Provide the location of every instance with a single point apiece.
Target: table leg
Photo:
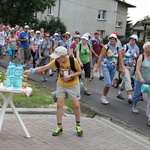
(19, 119)
(3, 109)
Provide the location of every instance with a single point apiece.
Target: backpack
(72, 64)
(80, 46)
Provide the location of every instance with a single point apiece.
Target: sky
(142, 9)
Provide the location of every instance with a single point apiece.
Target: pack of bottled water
(14, 76)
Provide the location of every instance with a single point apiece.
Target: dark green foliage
(22, 11)
(51, 25)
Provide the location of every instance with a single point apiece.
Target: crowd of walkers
(71, 54)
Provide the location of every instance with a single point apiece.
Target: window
(102, 15)
(138, 33)
(119, 24)
(102, 33)
(49, 11)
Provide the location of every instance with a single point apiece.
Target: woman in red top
(73, 46)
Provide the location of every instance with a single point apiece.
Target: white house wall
(82, 15)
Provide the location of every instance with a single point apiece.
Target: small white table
(9, 100)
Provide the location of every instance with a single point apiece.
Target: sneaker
(79, 130)
(42, 79)
(87, 92)
(58, 131)
(4, 54)
(135, 110)
(120, 96)
(45, 79)
(148, 123)
(141, 98)
(101, 77)
(130, 101)
(24, 65)
(51, 74)
(104, 100)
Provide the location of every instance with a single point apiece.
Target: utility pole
(59, 4)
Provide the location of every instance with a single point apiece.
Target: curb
(96, 112)
(51, 111)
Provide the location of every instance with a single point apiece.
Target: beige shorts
(72, 92)
(24, 53)
(126, 82)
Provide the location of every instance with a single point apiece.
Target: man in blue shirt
(24, 51)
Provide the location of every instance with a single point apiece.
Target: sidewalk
(99, 134)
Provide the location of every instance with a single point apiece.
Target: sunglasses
(47, 36)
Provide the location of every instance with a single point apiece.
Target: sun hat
(26, 27)
(77, 36)
(59, 51)
(88, 34)
(85, 36)
(31, 30)
(113, 36)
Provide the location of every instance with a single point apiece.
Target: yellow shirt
(65, 70)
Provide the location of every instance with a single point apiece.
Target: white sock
(119, 92)
(129, 96)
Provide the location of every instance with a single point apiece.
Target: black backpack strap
(126, 48)
(89, 46)
(72, 64)
(57, 65)
(143, 56)
(79, 47)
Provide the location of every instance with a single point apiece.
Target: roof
(125, 3)
(138, 28)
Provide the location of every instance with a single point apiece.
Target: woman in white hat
(108, 61)
(84, 56)
(127, 61)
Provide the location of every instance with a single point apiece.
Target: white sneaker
(135, 110)
(104, 100)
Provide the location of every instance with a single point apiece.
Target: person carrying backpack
(108, 61)
(142, 76)
(84, 56)
(67, 84)
(127, 62)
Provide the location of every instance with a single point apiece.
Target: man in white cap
(67, 84)
(24, 52)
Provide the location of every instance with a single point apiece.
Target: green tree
(51, 25)
(22, 11)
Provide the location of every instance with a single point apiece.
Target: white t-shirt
(2, 38)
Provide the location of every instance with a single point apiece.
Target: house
(90, 15)
(142, 30)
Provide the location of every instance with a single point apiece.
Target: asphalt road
(118, 110)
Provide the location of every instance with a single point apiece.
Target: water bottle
(19, 70)
(11, 69)
(18, 76)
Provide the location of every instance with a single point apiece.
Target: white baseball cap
(38, 32)
(59, 51)
(26, 27)
(56, 34)
(85, 36)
